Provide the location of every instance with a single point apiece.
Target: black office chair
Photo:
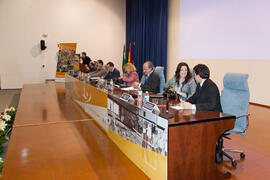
(235, 101)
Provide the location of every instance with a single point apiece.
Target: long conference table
(74, 130)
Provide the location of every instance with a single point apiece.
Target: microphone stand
(167, 115)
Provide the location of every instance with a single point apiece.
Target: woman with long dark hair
(182, 82)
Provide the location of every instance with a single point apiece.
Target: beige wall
(257, 69)
(97, 26)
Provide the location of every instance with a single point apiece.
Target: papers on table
(177, 107)
(94, 78)
(128, 89)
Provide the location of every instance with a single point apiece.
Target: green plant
(6, 121)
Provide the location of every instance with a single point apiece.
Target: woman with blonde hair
(131, 75)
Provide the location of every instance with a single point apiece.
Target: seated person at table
(207, 95)
(182, 83)
(92, 66)
(85, 59)
(152, 81)
(113, 73)
(131, 75)
(101, 71)
(87, 69)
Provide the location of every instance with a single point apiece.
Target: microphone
(167, 115)
(167, 90)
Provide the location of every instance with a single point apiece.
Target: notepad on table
(177, 107)
(127, 89)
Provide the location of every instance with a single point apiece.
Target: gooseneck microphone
(167, 115)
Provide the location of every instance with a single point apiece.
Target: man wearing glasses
(152, 81)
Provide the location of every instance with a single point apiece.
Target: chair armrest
(242, 115)
(247, 120)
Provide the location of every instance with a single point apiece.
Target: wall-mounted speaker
(42, 45)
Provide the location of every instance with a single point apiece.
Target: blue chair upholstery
(234, 100)
(160, 71)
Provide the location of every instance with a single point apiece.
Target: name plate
(127, 97)
(152, 107)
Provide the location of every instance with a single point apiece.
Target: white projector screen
(224, 29)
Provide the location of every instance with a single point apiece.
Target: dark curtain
(146, 30)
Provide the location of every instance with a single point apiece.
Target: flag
(133, 45)
(129, 54)
(124, 58)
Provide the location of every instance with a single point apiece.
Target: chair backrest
(235, 100)
(160, 71)
(191, 71)
(143, 79)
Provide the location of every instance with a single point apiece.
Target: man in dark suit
(207, 95)
(101, 70)
(113, 73)
(85, 59)
(152, 81)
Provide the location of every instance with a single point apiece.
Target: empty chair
(235, 101)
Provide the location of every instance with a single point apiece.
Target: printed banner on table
(141, 135)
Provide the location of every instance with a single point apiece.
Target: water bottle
(111, 84)
(140, 96)
(110, 89)
(79, 75)
(85, 79)
(146, 96)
